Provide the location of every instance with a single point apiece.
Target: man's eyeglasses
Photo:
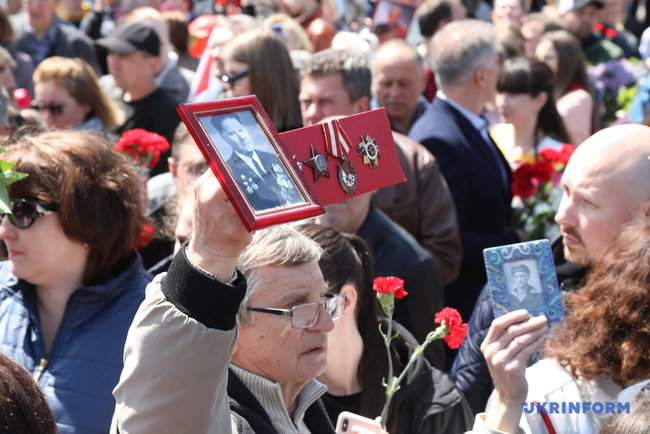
(306, 315)
(24, 212)
(54, 109)
(231, 79)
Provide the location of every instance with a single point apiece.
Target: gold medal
(368, 149)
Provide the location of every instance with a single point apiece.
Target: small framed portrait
(392, 18)
(522, 276)
(242, 148)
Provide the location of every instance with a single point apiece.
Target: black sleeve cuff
(202, 297)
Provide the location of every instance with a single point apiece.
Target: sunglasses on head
(54, 109)
(231, 79)
(24, 212)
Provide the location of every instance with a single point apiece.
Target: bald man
(398, 81)
(606, 184)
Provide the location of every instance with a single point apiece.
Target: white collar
(477, 121)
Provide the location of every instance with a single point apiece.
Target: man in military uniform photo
(259, 173)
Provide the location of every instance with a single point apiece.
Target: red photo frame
(242, 147)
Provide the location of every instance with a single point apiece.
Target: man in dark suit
(261, 175)
(466, 65)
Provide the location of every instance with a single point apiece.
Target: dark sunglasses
(54, 109)
(231, 79)
(24, 212)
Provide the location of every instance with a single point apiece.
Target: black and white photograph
(523, 284)
(522, 276)
(252, 160)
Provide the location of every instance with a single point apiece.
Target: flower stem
(392, 385)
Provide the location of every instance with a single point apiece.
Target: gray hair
(279, 245)
(459, 48)
(352, 66)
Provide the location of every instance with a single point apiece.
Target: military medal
(317, 163)
(337, 144)
(347, 177)
(369, 151)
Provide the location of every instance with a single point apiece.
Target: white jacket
(549, 382)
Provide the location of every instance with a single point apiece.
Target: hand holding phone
(350, 423)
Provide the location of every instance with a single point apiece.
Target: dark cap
(131, 37)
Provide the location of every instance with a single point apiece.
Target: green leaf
(5, 203)
(6, 165)
(9, 177)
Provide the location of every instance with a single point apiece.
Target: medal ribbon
(336, 141)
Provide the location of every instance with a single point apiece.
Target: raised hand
(511, 340)
(218, 235)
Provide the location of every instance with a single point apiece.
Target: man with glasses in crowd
(231, 338)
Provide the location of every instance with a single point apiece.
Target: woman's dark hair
(606, 329)
(272, 76)
(346, 259)
(571, 61)
(96, 189)
(179, 34)
(6, 31)
(23, 408)
(523, 75)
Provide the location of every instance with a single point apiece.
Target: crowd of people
(134, 300)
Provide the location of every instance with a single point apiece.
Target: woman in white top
(526, 105)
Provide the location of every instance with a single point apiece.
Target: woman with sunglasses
(78, 282)
(68, 95)
(428, 401)
(257, 62)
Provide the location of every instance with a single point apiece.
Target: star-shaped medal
(317, 163)
(369, 150)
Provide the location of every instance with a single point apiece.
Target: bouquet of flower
(534, 189)
(142, 146)
(451, 329)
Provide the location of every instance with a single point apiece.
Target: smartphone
(354, 424)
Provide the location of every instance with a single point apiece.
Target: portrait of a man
(259, 173)
(523, 295)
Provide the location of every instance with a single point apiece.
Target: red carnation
(543, 172)
(456, 329)
(147, 232)
(523, 184)
(560, 156)
(144, 147)
(566, 152)
(390, 285)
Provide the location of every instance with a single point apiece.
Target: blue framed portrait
(522, 276)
